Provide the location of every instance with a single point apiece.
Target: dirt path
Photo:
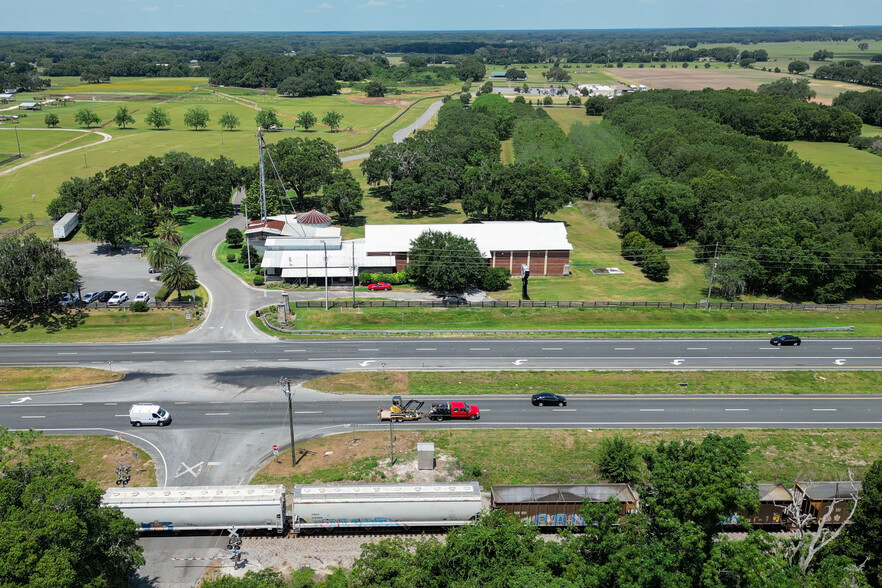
(105, 137)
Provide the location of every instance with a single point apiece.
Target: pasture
(846, 165)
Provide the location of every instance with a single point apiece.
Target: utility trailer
(65, 226)
(401, 411)
(202, 508)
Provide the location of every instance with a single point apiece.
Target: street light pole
(286, 390)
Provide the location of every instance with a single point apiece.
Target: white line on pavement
(696, 349)
(217, 414)
(563, 410)
(26, 416)
(824, 410)
(552, 349)
(220, 351)
(143, 352)
(307, 412)
(623, 348)
(479, 349)
(652, 410)
(737, 409)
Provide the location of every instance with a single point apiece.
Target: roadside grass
(240, 270)
(191, 224)
(569, 456)
(97, 458)
(846, 165)
(14, 379)
(601, 382)
(866, 323)
(107, 326)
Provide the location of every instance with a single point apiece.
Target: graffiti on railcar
(556, 520)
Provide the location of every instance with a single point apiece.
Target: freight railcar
(316, 506)
(558, 505)
(202, 508)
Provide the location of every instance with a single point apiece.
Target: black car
(454, 300)
(785, 340)
(544, 398)
(103, 296)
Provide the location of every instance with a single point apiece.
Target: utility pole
(286, 390)
(713, 271)
(247, 244)
(354, 274)
(325, 247)
(19, 144)
(391, 444)
(262, 176)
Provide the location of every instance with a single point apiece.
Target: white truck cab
(148, 414)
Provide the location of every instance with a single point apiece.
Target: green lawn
(34, 142)
(601, 382)
(16, 379)
(106, 325)
(845, 164)
(866, 323)
(127, 85)
(237, 268)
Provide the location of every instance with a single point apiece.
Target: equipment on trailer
(400, 411)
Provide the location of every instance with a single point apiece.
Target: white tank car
(201, 508)
(385, 505)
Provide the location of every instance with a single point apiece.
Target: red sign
(275, 447)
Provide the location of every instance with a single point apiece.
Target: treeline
(22, 77)
(867, 105)
(769, 117)
(851, 71)
(295, 72)
(785, 229)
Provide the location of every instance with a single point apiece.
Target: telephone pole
(325, 247)
(286, 390)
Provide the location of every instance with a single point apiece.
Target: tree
(332, 119)
(500, 110)
(556, 74)
(596, 105)
(158, 118)
(863, 537)
(234, 238)
(822, 55)
(375, 90)
(267, 119)
(663, 210)
(305, 164)
(547, 100)
(86, 117)
(798, 89)
(471, 69)
(54, 530)
(863, 46)
(160, 254)
(168, 230)
(228, 121)
(51, 120)
(196, 117)
(111, 220)
(797, 67)
(178, 275)
(343, 196)
(249, 253)
(310, 83)
(515, 74)
(306, 120)
(444, 262)
(619, 460)
(33, 272)
(495, 279)
(123, 117)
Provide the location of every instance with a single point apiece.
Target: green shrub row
(396, 279)
(648, 256)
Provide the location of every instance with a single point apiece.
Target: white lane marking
(365, 363)
(737, 409)
(143, 352)
(623, 348)
(220, 351)
(48, 404)
(213, 463)
(652, 410)
(563, 410)
(307, 412)
(519, 361)
(185, 469)
(678, 362)
(839, 361)
(848, 348)
(249, 401)
(20, 400)
(120, 415)
(552, 349)
(479, 349)
(28, 416)
(824, 410)
(696, 349)
(217, 414)
(368, 349)
(66, 353)
(426, 349)
(768, 348)
(294, 350)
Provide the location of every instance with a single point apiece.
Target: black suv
(785, 340)
(454, 300)
(544, 398)
(103, 296)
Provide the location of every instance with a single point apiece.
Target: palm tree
(169, 231)
(160, 254)
(179, 275)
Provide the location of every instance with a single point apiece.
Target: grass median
(102, 325)
(97, 458)
(567, 456)
(15, 379)
(601, 382)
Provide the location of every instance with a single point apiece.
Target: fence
(7, 157)
(585, 304)
(17, 231)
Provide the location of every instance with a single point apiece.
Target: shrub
(547, 100)
(163, 293)
(656, 266)
(496, 278)
(231, 257)
(249, 251)
(139, 306)
(619, 460)
(258, 280)
(234, 238)
(633, 246)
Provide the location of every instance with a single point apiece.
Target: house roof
(314, 217)
(489, 236)
(300, 263)
(287, 225)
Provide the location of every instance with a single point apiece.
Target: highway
(449, 353)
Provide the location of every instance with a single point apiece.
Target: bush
(633, 246)
(619, 460)
(234, 238)
(258, 280)
(231, 257)
(163, 293)
(396, 279)
(656, 266)
(547, 100)
(249, 251)
(139, 306)
(495, 279)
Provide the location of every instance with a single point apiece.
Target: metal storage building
(558, 505)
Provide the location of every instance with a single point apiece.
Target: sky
(426, 15)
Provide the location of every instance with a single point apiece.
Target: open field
(580, 73)
(34, 142)
(600, 382)
(107, 326)
(97, 458)
(866, 323)
(780, 54)
(15, 379)
(569, 456)
(846, 165)
(123, 85)
(565, 117)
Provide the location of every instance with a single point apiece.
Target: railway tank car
(316, 506)
(202, 508)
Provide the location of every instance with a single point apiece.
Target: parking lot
(102, 268)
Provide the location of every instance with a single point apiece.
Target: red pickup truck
(454, 410)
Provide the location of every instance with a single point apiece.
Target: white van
(148, 414)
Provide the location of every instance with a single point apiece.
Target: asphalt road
(408, 354)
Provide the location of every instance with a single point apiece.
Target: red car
(380, 286)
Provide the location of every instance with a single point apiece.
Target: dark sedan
(546, 398)
(785, 340)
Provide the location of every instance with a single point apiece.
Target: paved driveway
(103, 268)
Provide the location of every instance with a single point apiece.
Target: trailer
(401, 411)
(202, 508)
(385, 505)
(65, 226)
(558, 505)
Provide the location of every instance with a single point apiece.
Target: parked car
(380, 286)
(88, 296)
(546, 398)
(785, 340)
(142, 297)
(454, 300)
(103, 296)
(68, 299)
(117, 299)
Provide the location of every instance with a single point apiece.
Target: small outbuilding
(30, 106)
